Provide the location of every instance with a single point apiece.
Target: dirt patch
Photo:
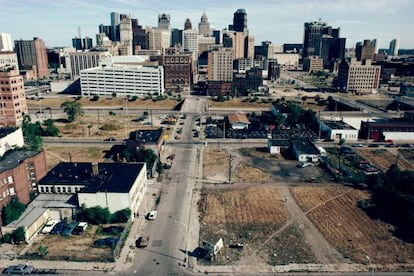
(54, 155)
(74, 248)
(244, 172)
(333, 210)
(215, 164)
(262, 153)
(249, 216)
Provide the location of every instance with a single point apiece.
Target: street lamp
(370, 264)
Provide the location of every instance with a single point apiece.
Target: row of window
(10, 191)
(59, 189)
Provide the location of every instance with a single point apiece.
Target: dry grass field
(244, 172)
(334, 212)
(54, 155)
(249, 215)
(215, 164)
(384, 158)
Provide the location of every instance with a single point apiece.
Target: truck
(142, 241)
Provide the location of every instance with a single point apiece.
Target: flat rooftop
(100, 177)
(305, 146)
(12, 159)
(4, 131)
(338, 125)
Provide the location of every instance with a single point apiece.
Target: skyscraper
(125, 35)
(376, 43)
(32, 55)
(394, 47)
(164, 21)
(365, 51)
(5, 42)
(115, 26)
(77, 43)
(138, 36)
(204, 26)
(239, 21)
(187, 24)
(190, 42)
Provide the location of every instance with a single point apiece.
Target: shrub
(109, 127)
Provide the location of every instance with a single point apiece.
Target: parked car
(113, 230)
(80, 228)
(152, 215)
(67, 231)
(19, 269)
(58, 228)
(106, 242)
(110, 139)
(142, 241)
(49, 226)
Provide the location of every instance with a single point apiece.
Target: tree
(121, 216)
(50, 128)
(19, 235)
(42, 250)
(72, 109)
(95, 215)
(12, 211)
(113, 94)
(32, 133)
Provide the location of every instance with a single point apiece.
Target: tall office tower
(190, 42)
(312, 41)
(176, 37)
(164, 21)
(158, 39)
(220, 64)
(365, 51)
(87, 43)
(77, 43)
(5, 42)
(125, 35)
(249, 46)
(332, 51)
(376, 43)
(32, 55)
(394, 47)
(204, 26)
(139, 36)
(218, 36)
(13, 105)
(187, 24)
(115, 26)
(239, 21)
(106, 29)
(9, 59)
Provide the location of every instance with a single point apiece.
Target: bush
(109, 127)
(121, 216)
(12, 211)
(95, 215)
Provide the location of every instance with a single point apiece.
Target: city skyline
(279, 21)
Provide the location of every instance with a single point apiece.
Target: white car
(152, 215)
(306, 164)
(49, 226)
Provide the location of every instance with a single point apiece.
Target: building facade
(312, 64)
(354, 77)
(32, 55)
(124, 79)
(204, 26)
(177, 69)
(5, 43)
(394, 47)
(220, 65)
(12, 97)
(125, 36)
(78, 61)
(365, 51)
(9, 59)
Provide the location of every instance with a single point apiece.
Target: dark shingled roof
(111, 177)
(12, 159)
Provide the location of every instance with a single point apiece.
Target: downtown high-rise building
(114, 26)
(204, 26)
(5, 42)
(394, 47)
(364, 51)
(32, 56)
(164, 22)
(190, 42)
(125, 36)
(187, 24)
(239, 21)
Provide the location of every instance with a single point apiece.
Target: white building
(9, 59)
(158, 39)
(125, 76)
(190, 42)
(288, 61)
(115, 186)
(5, 42)
(337, 130)
(78, 61)
(305, 150)
(125, 34)
(238, 120)
(9, 139)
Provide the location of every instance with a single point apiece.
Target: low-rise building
(277, 146)
(402, 130)
(337, 130)
(238, 120)
(305, 150)
(115, 186)
(312, 64)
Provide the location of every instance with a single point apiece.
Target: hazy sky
(280, 21)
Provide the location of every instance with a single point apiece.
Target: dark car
(69, 228)
(59, 227)
(106, 242)
(142, 241)
(113, 230)
(110, 139)
(19, 269)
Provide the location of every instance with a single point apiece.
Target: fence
(117, 249)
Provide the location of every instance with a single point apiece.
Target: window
(12, 191)
(10, 179)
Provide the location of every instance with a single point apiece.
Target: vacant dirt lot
(255, 217)
(334, 211)
(75, 248)
(54, 155)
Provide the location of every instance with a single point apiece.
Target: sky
(279, 21)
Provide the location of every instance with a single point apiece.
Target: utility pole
(230, 168)
(319, 124)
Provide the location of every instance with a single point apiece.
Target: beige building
(312, 64)
(78, 61)
(158, 39)
(220, 64)
(285, 60)
(8, 58)
(358, 78)
(12, 97)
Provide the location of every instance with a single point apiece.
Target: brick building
(20, 172)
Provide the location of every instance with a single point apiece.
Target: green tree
(43, 250)
(121, 216)
(50, 128)
(72, 109)
(12, 211)
(32, 133)
(95, 215)
(19, 235)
